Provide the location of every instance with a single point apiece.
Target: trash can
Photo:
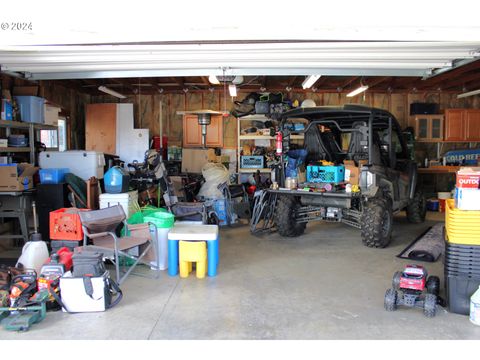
(162, 223)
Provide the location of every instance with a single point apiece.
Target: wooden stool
(190, 252)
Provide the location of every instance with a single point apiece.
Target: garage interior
(142, 104)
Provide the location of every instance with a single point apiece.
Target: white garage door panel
(327, 58)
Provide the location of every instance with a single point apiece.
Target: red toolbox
(65, 224)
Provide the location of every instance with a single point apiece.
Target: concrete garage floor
(323, 285)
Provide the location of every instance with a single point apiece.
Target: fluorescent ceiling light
(310, 80)
(111, 92)
(470, 93)
(358, 91)
(232, 89)
(213, 80)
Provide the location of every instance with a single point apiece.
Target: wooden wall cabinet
(462, 125)
(100, 128)
(192, 132)
(109, 128)
(472, 125)
(429, 127)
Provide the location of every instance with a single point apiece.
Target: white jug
(34, 255)
(35, 251)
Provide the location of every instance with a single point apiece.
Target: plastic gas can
(116, 180)
(475, 307)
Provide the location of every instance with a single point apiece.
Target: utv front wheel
(417, 208)
(285, 214)
(377, 223)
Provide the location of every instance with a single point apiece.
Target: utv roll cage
(345, 117)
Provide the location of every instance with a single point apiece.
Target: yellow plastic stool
(193, 251)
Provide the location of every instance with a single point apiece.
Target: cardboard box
(51, 115)
(467, 199)
(468, 178)
(352, 172)
(211, 157)
(16, 177)
(223, 159)
(25, 90)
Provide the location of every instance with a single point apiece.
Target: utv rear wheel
(430, 305)
(377, 223)
(433, 285)
(417, 208)
(285, 214)
(390, 301)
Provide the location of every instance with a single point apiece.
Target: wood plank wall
(147, 107)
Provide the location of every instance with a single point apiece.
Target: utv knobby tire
(377, 223)
(417, 208)
(430, 305)
(285, 217)
(390, 301)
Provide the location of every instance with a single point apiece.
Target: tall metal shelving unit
(33, 133)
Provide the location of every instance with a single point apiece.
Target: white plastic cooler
(128, 200)
(84, 164)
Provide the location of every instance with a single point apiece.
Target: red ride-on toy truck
(408, 287)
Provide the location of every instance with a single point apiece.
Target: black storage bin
(49, 197)
(70, 244)
(459, 289)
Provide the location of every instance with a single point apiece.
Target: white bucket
(475, 307)
(162, 247)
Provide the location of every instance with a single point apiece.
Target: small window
(54, 139)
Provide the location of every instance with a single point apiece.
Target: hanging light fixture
(357, 91)
(111, 92)
(469, 93)
(310, 80)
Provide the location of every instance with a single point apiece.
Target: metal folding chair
(101, 225)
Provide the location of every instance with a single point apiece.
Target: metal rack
(33, 133)
(241, 138)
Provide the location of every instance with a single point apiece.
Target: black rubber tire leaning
(390, 301)
(396, 280)
(430, 305)
(285, 217)
(433, 285)
(417, 208)
(377, 223)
